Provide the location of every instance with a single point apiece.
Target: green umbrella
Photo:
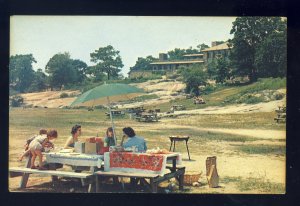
(106, 93)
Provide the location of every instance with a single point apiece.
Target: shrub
(64, 95)
(16, 101)
(279, 96)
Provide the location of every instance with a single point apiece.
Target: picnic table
(147, 117)
(135, 110)
(155, 167)
(141, 166)
(115, 113)
(177, 107)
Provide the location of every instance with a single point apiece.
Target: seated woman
(76, 132)
(133, 140)
(109, 139)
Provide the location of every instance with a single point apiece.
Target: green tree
(271, 56)
(222, 70)
(194, 76)
(40, 81)
(202, 46)
(63, 70)
(176, 54)
(107, 60)
(80, 70)
(143, 63)
(249, 33)
(21, 72)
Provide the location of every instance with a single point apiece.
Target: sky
(133, 36)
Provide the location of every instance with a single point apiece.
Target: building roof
(192, 55)
(218, 47)
(177, 62)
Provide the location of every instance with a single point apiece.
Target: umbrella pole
(112, 122)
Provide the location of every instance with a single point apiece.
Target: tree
(21, 72)
(271, 56)
(107, 60)
(202, 46)
(39, 82)
(177, 54)
(80, 70)
(63, 70)
(222, 70)
(143, 63)
(194, 76)
(249, 34)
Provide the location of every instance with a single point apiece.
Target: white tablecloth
(74, 159)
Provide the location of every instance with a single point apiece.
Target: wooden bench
(86, 178)
(155, 179)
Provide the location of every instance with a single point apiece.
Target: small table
(179, 139)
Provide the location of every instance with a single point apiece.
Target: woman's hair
(75, 128)
(43, 131)
(129, 131)
(110, 129)
(52, 133)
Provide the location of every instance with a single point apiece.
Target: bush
(16, 101)
(279, 96)
(64, 95)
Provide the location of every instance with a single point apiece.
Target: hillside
(165, 93)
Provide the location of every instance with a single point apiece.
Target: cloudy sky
(133, 36)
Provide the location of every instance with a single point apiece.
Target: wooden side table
(179, 139)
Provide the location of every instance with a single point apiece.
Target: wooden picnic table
(178, 107)
(147, 117)
(139, 173)
(115, 113)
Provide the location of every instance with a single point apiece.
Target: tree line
(61, 70)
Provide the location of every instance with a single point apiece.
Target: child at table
(38, 144)
(27, 150)
(109, 139)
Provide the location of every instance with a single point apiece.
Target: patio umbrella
(105, 94)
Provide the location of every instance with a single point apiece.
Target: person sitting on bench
(133, 141)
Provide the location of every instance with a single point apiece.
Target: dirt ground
(230, 163)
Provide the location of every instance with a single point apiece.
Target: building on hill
(216, 51)
(166, 66)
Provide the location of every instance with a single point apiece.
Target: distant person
(75, 133)
(109, 140)
(38, 144)
(133, 140)
(27, 150)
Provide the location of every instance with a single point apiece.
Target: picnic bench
(147, 117)
(24, 172)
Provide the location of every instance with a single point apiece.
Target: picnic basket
(191, 176)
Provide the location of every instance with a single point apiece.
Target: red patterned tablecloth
(137, 162)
